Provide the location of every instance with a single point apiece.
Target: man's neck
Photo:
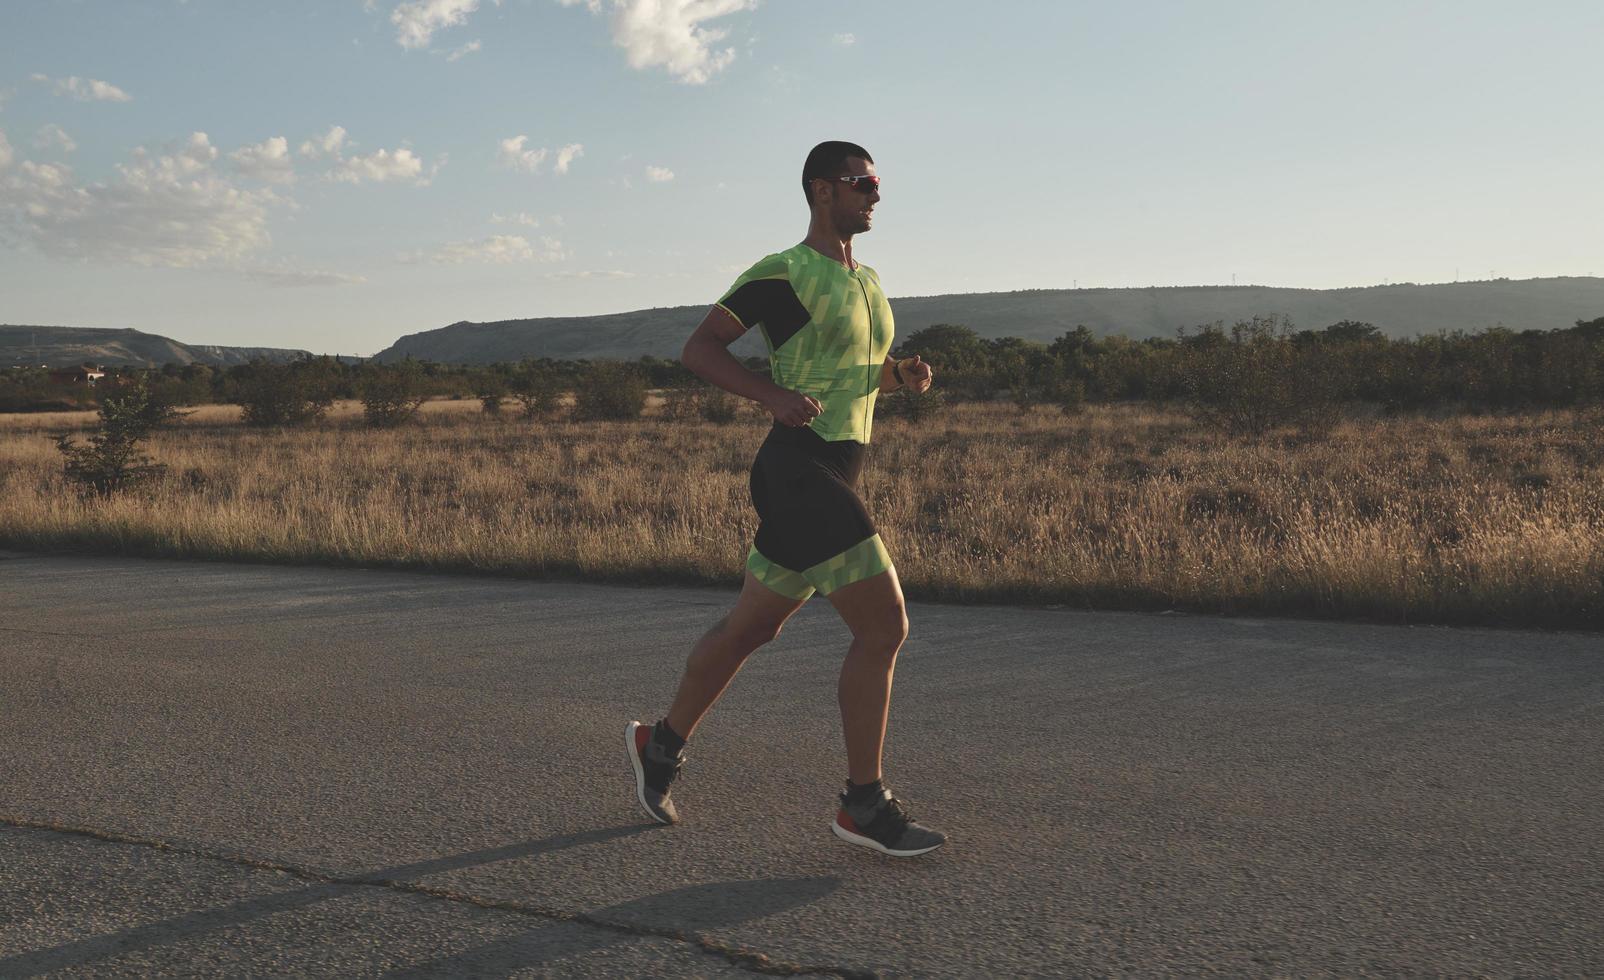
(824, 239)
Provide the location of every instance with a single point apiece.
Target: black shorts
(814, 532)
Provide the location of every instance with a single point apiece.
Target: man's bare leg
(870, 815)
(717, 657)
(873, 610)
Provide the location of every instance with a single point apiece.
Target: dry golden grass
(1492, 520)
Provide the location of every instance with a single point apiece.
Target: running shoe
(883, 824)
(654, 769)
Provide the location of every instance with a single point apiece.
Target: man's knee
(753, 633)
(884, 629)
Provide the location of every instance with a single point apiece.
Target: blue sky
(332, 174)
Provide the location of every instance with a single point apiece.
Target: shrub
(719, 406)
(1255, 379)
(914, 406)
(610, 391)
(489, 390)
(296, 393)
(680, 404)
(391, 394)
(1025, 396)
(1069, 394)
(112, 461)
(535, 388)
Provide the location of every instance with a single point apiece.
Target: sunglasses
(862, 183)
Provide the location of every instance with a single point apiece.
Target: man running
(828, 330)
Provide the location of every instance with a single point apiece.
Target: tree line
(1247, 377)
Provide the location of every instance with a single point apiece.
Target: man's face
(852, 211)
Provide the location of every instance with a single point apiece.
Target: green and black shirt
(828, 330)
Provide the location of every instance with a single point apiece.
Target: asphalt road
(225, 769)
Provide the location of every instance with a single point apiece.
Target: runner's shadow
(191, 924)
(681, 914)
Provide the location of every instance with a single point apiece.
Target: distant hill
(1402, 310)
(67, 346)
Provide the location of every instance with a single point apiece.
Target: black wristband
(896, 372)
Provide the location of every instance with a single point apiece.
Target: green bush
(536, 388)
(1255, 379)
(718, 406)
(112, 460)
(905, 403)
(680, 404)
(490, 389)
(296, 393)
(610, 391)
(1069, 394)
(391, 394)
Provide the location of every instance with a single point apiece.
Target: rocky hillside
(66, 346)
(1402, 310)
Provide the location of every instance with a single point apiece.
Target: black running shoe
(655, 769)
(884, 825)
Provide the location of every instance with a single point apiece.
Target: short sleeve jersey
(828, 330)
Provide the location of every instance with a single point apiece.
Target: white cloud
(5, 151)
(379, 166)
(566, 156)
(169, 209)
(193, 156)
(668, 34)
(417, 20)
(513, 154)
(468, 48)
(268, 160)
(590, 274)
(845, 40)
(291, 278)
(84, 89)
(665, 33)
(328, 144)
(52, 135)
(659, 175)
(497, 249)
(519, 218)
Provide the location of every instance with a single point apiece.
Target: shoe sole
(640, 773)
(875, 845)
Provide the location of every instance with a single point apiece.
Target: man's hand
(792, 407)
(915, 373)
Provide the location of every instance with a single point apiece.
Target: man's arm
(888, 376)
(910, 373)
(707, 356)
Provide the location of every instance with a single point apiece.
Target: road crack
(739, 956)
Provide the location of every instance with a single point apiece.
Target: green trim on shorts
(864, 559)
(778, 577)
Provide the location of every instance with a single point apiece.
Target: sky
(330, 175)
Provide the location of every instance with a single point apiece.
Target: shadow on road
(678, 914)
(672, 914)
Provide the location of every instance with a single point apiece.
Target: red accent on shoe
(643, 734)
(846, 823)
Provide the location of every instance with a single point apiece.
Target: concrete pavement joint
(16, 629)
(739, 956)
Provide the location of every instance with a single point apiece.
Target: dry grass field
(1467, 520)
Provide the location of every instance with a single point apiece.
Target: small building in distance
(83, 374)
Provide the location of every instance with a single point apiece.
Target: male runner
(828, 329)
